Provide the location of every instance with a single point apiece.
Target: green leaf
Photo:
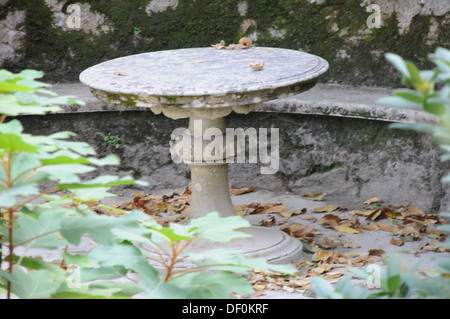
(13, 143)
(414, 72)
(92, 194)
(232, 260)
(98, 227)
(102, 181)
(125, 255)
(124, 289)
(221, 229)
(114, 272)
(38, 264)
(393, 283)
(40, 232)
(398, 62)
(8, 196)
(212, 286)
(323, 288)
(413, 96)
(34, 284)
(81, 261)
(399, 102)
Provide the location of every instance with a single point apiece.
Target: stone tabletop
(203, 77)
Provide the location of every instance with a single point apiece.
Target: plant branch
(37, 237)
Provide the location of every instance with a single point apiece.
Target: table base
(273, 245)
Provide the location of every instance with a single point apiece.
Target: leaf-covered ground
(334, 237)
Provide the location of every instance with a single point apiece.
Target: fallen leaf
(386, 227)
(326, 209)
(376, 252)
(396, 241)
(314, 196)
(278, 208)
(411, 211)
(381, 226)
(330, 220)
(234, 191)
(326, 243)
(268, 222)
(322, 255)
(289, 213)
(346, 228)
(220, 45)
(373, 200)
(302, 232)
(257, 66)
(349, 244)
(308, 217)
(333, 275)
(363, 213)
(408, 231)
(120, 73)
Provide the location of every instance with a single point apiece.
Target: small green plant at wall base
(113, 140)
(137, 30)
(429, 90)
(46, 203)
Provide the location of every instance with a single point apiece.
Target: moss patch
(335, 30)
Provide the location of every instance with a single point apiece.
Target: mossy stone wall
(334, 29)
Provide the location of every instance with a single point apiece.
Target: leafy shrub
(46, 203)
(430, 91)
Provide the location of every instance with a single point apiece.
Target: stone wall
(351, 160)
(64, 37)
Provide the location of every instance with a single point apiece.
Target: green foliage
(46, 202)
(113, 140)
(431, 92)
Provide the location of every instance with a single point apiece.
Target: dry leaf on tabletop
(396, 241)
(314, 196)
(220, 45)
(120, 73)
(326, 209)
(247, 42)
(257, 66)
(349, 244)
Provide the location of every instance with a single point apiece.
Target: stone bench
(333, 138)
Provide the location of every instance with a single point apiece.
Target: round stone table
(205, 85)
